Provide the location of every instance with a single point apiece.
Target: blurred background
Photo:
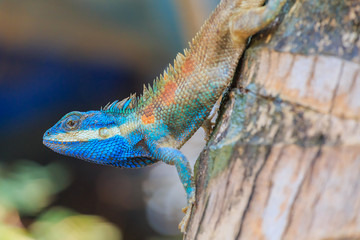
(58, 56)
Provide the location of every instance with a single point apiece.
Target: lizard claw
(187, 210)
(184, 209)
(208, 126)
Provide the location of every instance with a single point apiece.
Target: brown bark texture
(283, 161)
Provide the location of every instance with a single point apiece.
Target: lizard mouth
(71, 149)
(57, 146)
(48, 142)
(51, 143)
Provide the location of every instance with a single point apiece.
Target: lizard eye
(71, 123)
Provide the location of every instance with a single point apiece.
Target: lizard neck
(183, 96)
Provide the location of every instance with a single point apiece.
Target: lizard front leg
(173, 156)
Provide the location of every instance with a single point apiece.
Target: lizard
(142, 130)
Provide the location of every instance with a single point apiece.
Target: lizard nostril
(47, 134)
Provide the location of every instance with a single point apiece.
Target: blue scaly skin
(139, 131)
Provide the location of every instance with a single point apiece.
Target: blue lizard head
(100, 137)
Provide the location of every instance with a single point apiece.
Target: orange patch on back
(188, 66)
(147, 120)
(148, 115)
(168, 94)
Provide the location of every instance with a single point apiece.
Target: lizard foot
(208, 127)
(187, 210)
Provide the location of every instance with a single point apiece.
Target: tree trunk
(284, 158)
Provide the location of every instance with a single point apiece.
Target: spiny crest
(168, 75)
(129, 104)
(125, 106)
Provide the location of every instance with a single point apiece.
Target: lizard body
(139, 131)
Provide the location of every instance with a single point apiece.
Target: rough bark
(284, 159)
